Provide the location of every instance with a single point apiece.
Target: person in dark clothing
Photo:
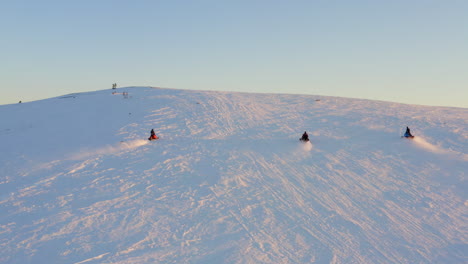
(408, 133)
(305, 137)
(153, 135)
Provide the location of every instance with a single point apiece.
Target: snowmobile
(305, 137)
(153, 135)
(407, 133)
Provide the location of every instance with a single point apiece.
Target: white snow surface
(229, 182)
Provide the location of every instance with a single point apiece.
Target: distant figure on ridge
(153, 135)
(304, 137)
(408, 133)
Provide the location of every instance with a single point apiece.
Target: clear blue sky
(404, 51)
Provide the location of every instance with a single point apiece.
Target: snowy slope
(229, 182)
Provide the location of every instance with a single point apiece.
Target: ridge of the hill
(228, 181)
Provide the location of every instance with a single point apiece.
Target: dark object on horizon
(114, 86)
(19, 102)
(304, 137)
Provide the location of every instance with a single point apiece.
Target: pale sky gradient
(409, 51)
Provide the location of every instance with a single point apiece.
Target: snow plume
(123, 145)
(422, 143)
(307, 146)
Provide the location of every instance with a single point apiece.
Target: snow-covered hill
(229, 182)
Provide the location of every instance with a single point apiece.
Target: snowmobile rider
(153, 135)
(408, 133)
(305, 137)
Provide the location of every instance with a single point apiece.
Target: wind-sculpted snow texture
(229, 181)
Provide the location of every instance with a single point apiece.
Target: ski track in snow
(229, 182)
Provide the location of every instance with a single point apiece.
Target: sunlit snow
(229, 182)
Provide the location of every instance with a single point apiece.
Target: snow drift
(229, 182)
